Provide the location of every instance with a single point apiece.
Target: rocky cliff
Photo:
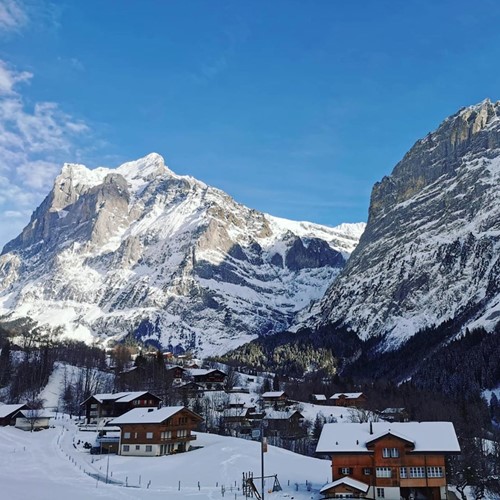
(431, 248)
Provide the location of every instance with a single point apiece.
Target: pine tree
(5, 365)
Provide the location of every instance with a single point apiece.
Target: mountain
(140, 251)
(430, 251)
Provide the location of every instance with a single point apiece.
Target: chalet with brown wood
(151, 432)
(389, 460)
(274, 399)
(101, 407)
(210, 380)
(352, 399)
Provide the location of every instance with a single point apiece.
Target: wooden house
(284, 423)
(395, 415)
(390, 460)
(274, 399)
(101, 407)
(153, 432)
(353, 399)
(319, 399)
(210, 380)
(8, 413)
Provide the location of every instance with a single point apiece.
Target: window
(126, 447)
(149, 435)
(403, 473)
(390, 452)
(434, 472)
(181, 433)
(380, 493)
(345, 470)
(166, 435)
(417, 471)
(137, 446)
(126, 435)
(149, 448)
(367, 471)
(384, 472)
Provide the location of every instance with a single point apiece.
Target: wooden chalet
(210, 380)
(153, 432)
(319, 399)
(395, 415)
(355, 399)
(390, 460)
(8, 413)
(274, 399)
(284, 423)
(101, 407)
(175, 372)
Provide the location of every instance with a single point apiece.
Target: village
(358, 453)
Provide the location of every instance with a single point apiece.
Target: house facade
(389, 460)
(102, 407)
(274, 399)
(210, 380)
(150, 432)
(353, 399)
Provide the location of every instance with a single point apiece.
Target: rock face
(141, 251)
(431, 248)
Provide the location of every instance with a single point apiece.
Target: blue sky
(295, 108)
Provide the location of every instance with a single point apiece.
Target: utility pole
(263, 449)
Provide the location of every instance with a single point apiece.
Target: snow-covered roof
(273, 394)
(119, 397)
(319, 397)
(6, 410)
(280, 415)
(391, 411)
(196, 372)
(146, 415)
(348, 481)
(353, 438)
(347, 395)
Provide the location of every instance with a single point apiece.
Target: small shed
(32, 420)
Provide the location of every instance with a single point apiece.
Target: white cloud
(34, 142)
(9, 78)
(12, 15)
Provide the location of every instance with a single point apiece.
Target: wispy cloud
(12, 15)
(34, 142)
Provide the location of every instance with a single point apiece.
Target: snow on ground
(52, 465)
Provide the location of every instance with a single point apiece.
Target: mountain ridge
(430, 250)
(141, 251)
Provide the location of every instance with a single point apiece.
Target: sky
(294, 108)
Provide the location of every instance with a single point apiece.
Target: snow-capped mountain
(141, 251)
(431, 248)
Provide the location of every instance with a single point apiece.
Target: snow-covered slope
(140, 250)
(431, 249)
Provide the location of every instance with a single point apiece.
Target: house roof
(319, 397)
(391, 411)
(353, 438)
(199, 372)
(119, 397)
(348, 481)
(281, 415)
(149, 415)
(7, 410)
(347, 395)
(273, 394)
